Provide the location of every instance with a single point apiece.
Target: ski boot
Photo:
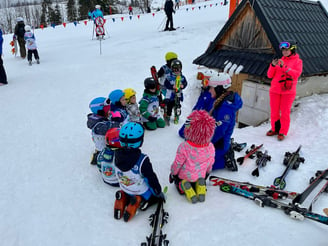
(189, 191)
(201, 189)
(37, 61)
(167, 119)
(120, 204)
(176, 119)
(94, 157)
(30, 63)
(132, 208)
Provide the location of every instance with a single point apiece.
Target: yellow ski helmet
(129, 92)
(170, 55)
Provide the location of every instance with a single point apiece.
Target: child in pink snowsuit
(284, 73)
(195, 157)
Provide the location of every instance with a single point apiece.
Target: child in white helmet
(31, 45)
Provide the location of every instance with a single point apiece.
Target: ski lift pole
(100, 45)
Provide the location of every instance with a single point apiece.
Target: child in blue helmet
(118, 113)
(99, 125)
(139, 184)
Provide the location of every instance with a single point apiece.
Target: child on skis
(149, 106)
(174, 83)
(118, 114)
(31, 45)
(99, 125)
(162, 74)
(132, 106)
(139, 184)
(195, 157)
(105, 160)
(205, 101)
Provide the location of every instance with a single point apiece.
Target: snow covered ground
(51, 195)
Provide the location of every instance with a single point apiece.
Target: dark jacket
(225, 117)
(168, 7)
(126, 158)
(19, 29)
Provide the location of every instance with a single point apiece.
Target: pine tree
(71, 10)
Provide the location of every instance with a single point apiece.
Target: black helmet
(150, 83)
(176, 66)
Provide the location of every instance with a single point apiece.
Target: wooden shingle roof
(303, 21)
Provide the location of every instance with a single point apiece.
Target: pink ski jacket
(284, 79)
(193, 161)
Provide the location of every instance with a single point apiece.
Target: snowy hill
(51, 195)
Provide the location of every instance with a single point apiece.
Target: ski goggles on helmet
(284, 45)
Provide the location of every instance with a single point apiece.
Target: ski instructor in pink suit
(284, 73)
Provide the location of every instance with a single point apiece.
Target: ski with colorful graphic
(258, 189)
(177, 96)
(293, 210)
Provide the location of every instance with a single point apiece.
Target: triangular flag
(138, 16)
(113, 19)
(75, 23)
(153, 14)
(122, 18)
(42, 26)
(130, 17)
(85, 22)
(64, 24)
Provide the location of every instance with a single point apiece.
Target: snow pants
(280, 105)
(34, 52)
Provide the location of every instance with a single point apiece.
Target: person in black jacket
(169, 10)
(19, 36)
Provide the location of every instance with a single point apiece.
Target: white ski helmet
(19, 19)
(220, 79)
(27, 28)
(97, 6)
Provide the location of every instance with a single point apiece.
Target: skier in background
(96, 13)
(169, 10)
(31, 45)
(130, 10)
(3, 76)
(19, 36)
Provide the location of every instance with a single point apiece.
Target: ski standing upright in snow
(291, 161)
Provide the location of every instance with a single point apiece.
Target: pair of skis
(291, 209)
(259, 189)
(157, 221)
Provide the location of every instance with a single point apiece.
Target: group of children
(118, 123)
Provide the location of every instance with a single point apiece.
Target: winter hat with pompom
(199, 127)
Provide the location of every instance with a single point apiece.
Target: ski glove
(152, 119)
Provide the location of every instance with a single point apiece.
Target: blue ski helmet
(131, 135)
(115, 96)
(97, 104)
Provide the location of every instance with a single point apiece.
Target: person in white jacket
(31, 45)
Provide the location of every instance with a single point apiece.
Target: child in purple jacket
(195, 157)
